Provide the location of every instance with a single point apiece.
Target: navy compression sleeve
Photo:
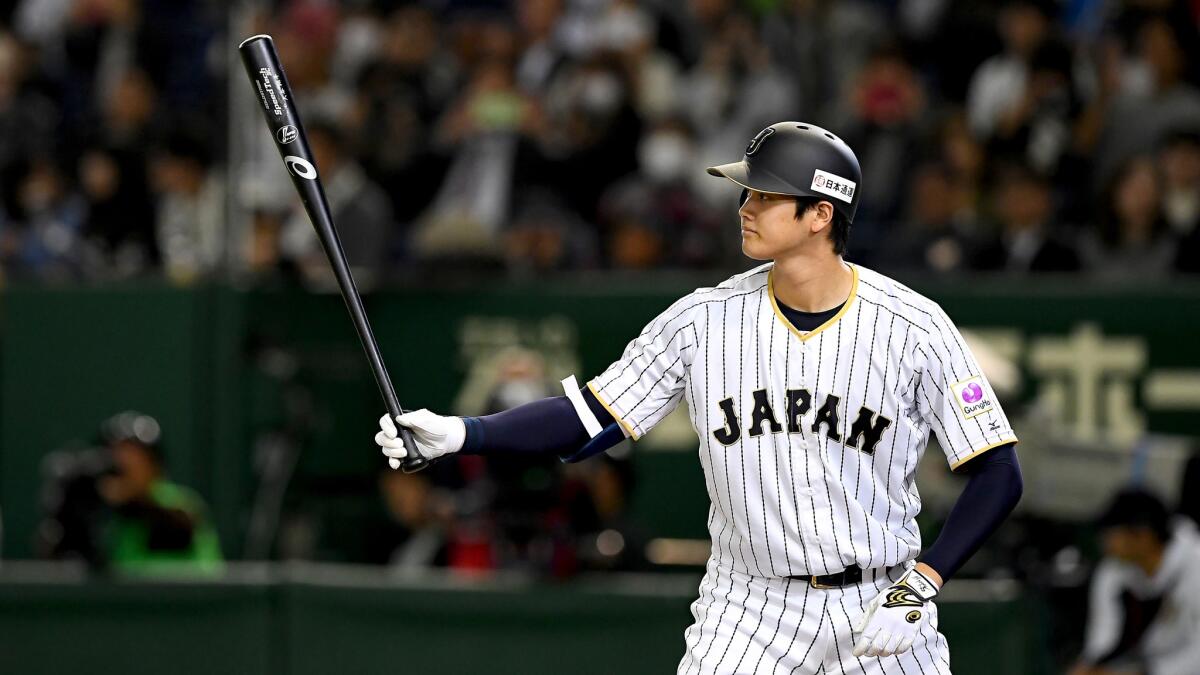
(994, 489)
(550, 425)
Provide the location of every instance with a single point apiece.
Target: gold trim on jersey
(628, 430)
(832, 320)
(993, 446)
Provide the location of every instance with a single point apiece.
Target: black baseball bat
(275, 95)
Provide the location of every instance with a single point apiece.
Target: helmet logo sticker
(757, 141)
(835, 186)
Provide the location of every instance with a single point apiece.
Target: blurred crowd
(1018, 137)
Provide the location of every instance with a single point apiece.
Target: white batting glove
(435, 435)
(896, 616)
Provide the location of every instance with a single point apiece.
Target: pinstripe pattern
(797, 630)
(866, 390)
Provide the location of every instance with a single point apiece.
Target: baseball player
(1144, 609)
(812, 385)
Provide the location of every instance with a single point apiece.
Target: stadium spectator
(938, 225)
(998, 96)
(547, 235)
(542, 50)
(27, 114)
(1141, 116)
(41, 238)
(119, 221)
(653, 216)
(190, 220)
(1179, 161)
(1132, 241)
(470, 121)
(1028, 239)
(888, 103)
(399, 94)
(360, 208)
(485, 129)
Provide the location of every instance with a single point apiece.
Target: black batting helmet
(802, 160)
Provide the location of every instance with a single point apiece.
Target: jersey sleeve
(647, 382)
(954, 396)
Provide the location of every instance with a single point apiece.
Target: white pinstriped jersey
(809, 441)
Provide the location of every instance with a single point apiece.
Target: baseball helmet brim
(751, 179)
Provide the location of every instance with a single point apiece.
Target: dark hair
(1137, 508)
(839, 230)
(1109, 220)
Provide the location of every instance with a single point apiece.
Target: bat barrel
(275, 95)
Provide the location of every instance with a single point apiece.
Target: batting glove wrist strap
(921, 585)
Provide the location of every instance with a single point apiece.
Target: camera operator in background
(115, 508)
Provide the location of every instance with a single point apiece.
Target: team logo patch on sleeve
(972, 397)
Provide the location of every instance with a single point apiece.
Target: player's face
(770, 228)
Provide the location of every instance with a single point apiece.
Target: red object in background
(471, 553)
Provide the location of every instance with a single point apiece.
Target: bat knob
(414, 464)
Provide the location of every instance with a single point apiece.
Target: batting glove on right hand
(895, 617)
(435, 435)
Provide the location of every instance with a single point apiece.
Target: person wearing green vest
(158, 527)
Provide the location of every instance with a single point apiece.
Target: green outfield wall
(310, 626)
(220, 366)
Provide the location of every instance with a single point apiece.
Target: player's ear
(823, 217)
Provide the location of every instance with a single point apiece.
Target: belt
(850, 575)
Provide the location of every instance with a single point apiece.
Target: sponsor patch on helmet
(834, 186)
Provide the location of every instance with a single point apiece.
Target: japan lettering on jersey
(809, 441)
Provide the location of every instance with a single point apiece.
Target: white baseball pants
(747, 624)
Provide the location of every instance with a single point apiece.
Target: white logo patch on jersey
(834, 186)
(972, 397)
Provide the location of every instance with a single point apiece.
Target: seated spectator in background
(1145, 595)
(119, 220)
(361, 210)
(1179, 161)
(158, 526)
(1139, 118)
(998, 88)
(1039, 128)
(399, 94)
(654, 216)
(1132, 241)
(999, 84)
(112, 174)
(965, 160)
(546, 235)
(28, 115)
(40, 239)
(1029, 238)
(888, 106)
(937, 229)
(484, 130)
(190, 227)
